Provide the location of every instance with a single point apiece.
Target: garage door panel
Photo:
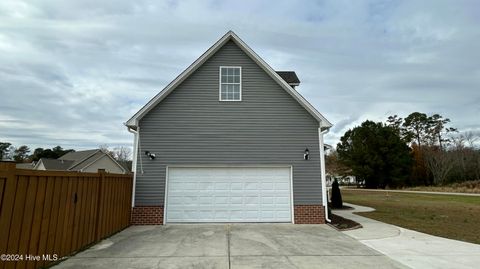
(228, 195)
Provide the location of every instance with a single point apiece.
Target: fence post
(98, 230)
(8, 186)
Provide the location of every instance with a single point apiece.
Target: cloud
(71, 72)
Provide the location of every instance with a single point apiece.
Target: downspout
(322, 170)
(136, 138)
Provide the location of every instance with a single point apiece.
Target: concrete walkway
(420, 192)
(411, 248)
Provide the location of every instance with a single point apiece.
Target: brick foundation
(309, 214)
(153, 215)
(147, 215)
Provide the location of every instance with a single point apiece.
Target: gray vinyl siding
(192, 127)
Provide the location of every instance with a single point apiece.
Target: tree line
(23, 153)
(417, 150)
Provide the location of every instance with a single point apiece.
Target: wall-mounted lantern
(305, 155)
(150, 155)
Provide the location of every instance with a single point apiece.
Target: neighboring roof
(25, 165)
(55, 164)
(230, 35)
(76, 161)
(290, 77)
(81, 158)
(78, 156)
(83, 163)
(85, 158)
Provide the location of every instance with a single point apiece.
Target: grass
(450, 216)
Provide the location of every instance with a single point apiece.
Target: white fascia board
(230, 35)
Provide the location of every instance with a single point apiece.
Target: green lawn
(450, 216)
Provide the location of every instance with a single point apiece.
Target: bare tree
(471, 138)
(106, 148)
(334, 167)
(440, 164)
(122, 153)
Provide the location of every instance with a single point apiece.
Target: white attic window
(230, 88)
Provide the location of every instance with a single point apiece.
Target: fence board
(6, 210)
(93, 209)
(52, 229)
(76, 215)
(42, 243)
(37, 219)
(112, 205)
(107, 207)
(27, 219)
(98, 218)
(2, 185)
(116, 204)
(83, 216)
(61, 217)
(38, 213)
(17, 218)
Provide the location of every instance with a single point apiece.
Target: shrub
(336, 195)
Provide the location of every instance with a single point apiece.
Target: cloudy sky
(71, 72)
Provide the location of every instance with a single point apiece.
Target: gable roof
(289, 76)
(78, 156)
(230, 35)
(54, 164)
(76, 160)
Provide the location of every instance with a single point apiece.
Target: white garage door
(242, 194)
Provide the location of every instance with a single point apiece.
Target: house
(82, 161)
(229, 140)
(28, 166)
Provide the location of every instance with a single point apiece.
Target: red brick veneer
(153, 215)
(147, 215)
(309, 214)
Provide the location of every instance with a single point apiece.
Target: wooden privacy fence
(49, 215)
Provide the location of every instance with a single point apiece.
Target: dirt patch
(343, 224)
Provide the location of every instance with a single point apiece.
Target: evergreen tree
(337, 201)
(21, 154)
(376, 153)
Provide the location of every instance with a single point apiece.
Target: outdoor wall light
(150, 155)
(307, 152)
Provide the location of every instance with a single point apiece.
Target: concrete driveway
(230, 246)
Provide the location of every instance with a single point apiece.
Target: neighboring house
(29, 166)
(82, 161)
(229, 140)
(342, 180)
